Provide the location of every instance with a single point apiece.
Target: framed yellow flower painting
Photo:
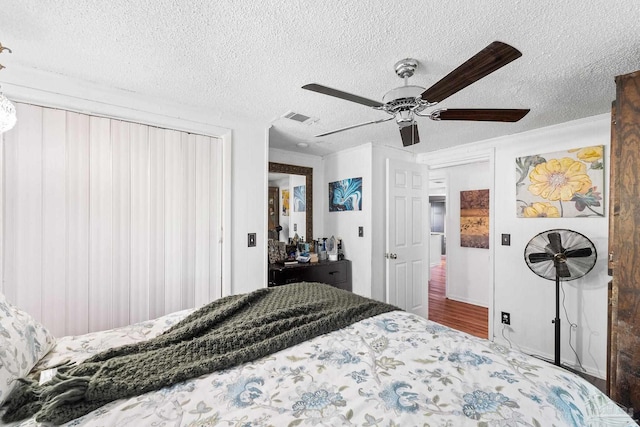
(564, 184)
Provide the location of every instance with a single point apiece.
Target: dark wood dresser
(334, 273)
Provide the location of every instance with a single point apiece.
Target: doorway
(455, 278)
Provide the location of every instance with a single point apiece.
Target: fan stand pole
(556, 322)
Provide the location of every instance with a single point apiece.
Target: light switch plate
(506, 240)
(251, 240)
(361, 231)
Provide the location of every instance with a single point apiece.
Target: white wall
(530, 299)
(468, 269)
(249, 190)
(352, 163)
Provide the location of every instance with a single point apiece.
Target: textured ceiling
(248, 60)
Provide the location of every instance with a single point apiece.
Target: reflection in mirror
(287, 207)
(290, 207)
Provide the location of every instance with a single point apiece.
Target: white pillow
(23, 342)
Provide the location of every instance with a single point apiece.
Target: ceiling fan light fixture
(7, 109)
(7, 114)
(404, 118)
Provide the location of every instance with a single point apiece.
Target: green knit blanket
(228, 332)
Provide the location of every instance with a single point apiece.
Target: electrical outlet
(506, 318)
(251, 240)
(295, 227)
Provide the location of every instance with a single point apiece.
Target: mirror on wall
(290, 202)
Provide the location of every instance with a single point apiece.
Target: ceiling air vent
(301, 118)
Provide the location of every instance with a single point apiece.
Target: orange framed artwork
(474, 219)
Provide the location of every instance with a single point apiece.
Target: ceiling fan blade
(540, 257)
(555, 243)
(355, 126)
(479, 114)
(409, 135)
(342, 95)
(483, 63)
(578, 253)
(562, 269)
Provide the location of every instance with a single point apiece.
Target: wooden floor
(468, 318)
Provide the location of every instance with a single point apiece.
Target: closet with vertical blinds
(107, 222)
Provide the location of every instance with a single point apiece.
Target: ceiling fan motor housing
(402, 97)
(402, 102)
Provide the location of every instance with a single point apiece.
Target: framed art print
(562, 184)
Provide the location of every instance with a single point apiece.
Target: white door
(407, 251)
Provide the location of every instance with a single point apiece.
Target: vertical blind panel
(2, 179)
(174, 220)
(101, 234)
(140, 224)
(29, 216)
(202, 234)
(215, 225)
(54, 229)
(188, 288)
(77, 250)
(156, 222)
(121, 169)
(9, 210)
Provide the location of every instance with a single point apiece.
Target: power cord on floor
(511, 344)
(571, 327)
(504, 336)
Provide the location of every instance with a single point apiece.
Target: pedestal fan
(560, 255)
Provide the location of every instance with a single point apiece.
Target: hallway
(468, 318)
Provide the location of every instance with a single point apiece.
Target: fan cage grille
(571, 240)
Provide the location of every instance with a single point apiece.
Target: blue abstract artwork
(299, 198)
(345, 195)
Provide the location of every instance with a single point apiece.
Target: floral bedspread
(395, 369)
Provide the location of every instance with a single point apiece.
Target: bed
(391, 369)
